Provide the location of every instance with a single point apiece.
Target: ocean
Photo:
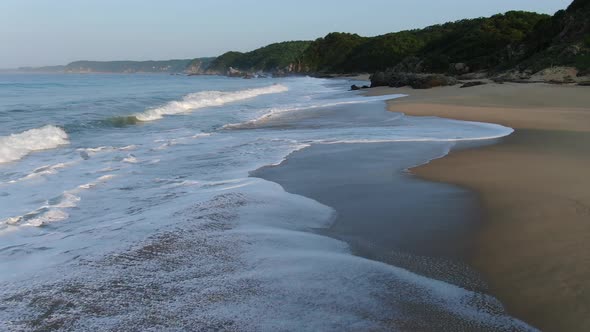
(126, 203)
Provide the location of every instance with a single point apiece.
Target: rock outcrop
(472, 84)
(200, 66)
(416, 81)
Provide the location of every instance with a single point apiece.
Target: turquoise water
(125, 203)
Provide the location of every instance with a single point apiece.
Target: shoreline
(386, 214)
(534, 189)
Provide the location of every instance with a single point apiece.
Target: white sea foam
(89, 152)
(281, 110)
(201, 135)
(131, 159)
(42, 171)
(16, 146)
(204, 99)
(53, 209)
(241, 268)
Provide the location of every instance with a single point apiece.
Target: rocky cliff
(200, 66)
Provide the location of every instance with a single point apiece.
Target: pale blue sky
(49, 32)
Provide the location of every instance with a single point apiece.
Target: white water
(204, 99)
(157, 226)
(16, 146)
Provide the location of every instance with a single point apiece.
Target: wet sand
(534, 187)
(384, 212)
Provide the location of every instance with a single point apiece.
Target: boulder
(556, 75)
(459, 68)
(417, 81)
(232, 72)
(355, 87)
(471, 84)
(431, 81)
(473, 76)
(378, 79)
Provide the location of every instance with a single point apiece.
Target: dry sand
(534, 249)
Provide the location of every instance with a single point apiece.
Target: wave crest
(204, 99)
(16, 146)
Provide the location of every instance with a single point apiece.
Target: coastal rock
(556, 75)
(355, 87)
(378, 79)
(471, 84)
(473, 76)
(513, 76)
(232, 72)
(199, 66)
(459, 68)
(416, 81)
(432, 81)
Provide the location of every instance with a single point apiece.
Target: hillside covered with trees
(271, 58)
(516, 40)
(562, 40)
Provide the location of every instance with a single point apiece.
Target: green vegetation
(329, 53)
(168, 66)
(562, 40)
(269, 58)
(515, 39)
(479, 43)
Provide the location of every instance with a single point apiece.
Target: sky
(52, 32)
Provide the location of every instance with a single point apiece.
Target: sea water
(126, 204)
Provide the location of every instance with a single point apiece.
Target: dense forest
(269, 58)
(479, 43)
(514, 40)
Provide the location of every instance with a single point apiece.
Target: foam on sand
(222, 265)
(16, 146)
(204, 99)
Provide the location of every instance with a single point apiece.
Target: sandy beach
(533, 248)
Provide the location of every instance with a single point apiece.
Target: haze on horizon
(45, 32)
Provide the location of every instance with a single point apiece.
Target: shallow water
(125, 203)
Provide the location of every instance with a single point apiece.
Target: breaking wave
(204, 99)
(16, 146)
